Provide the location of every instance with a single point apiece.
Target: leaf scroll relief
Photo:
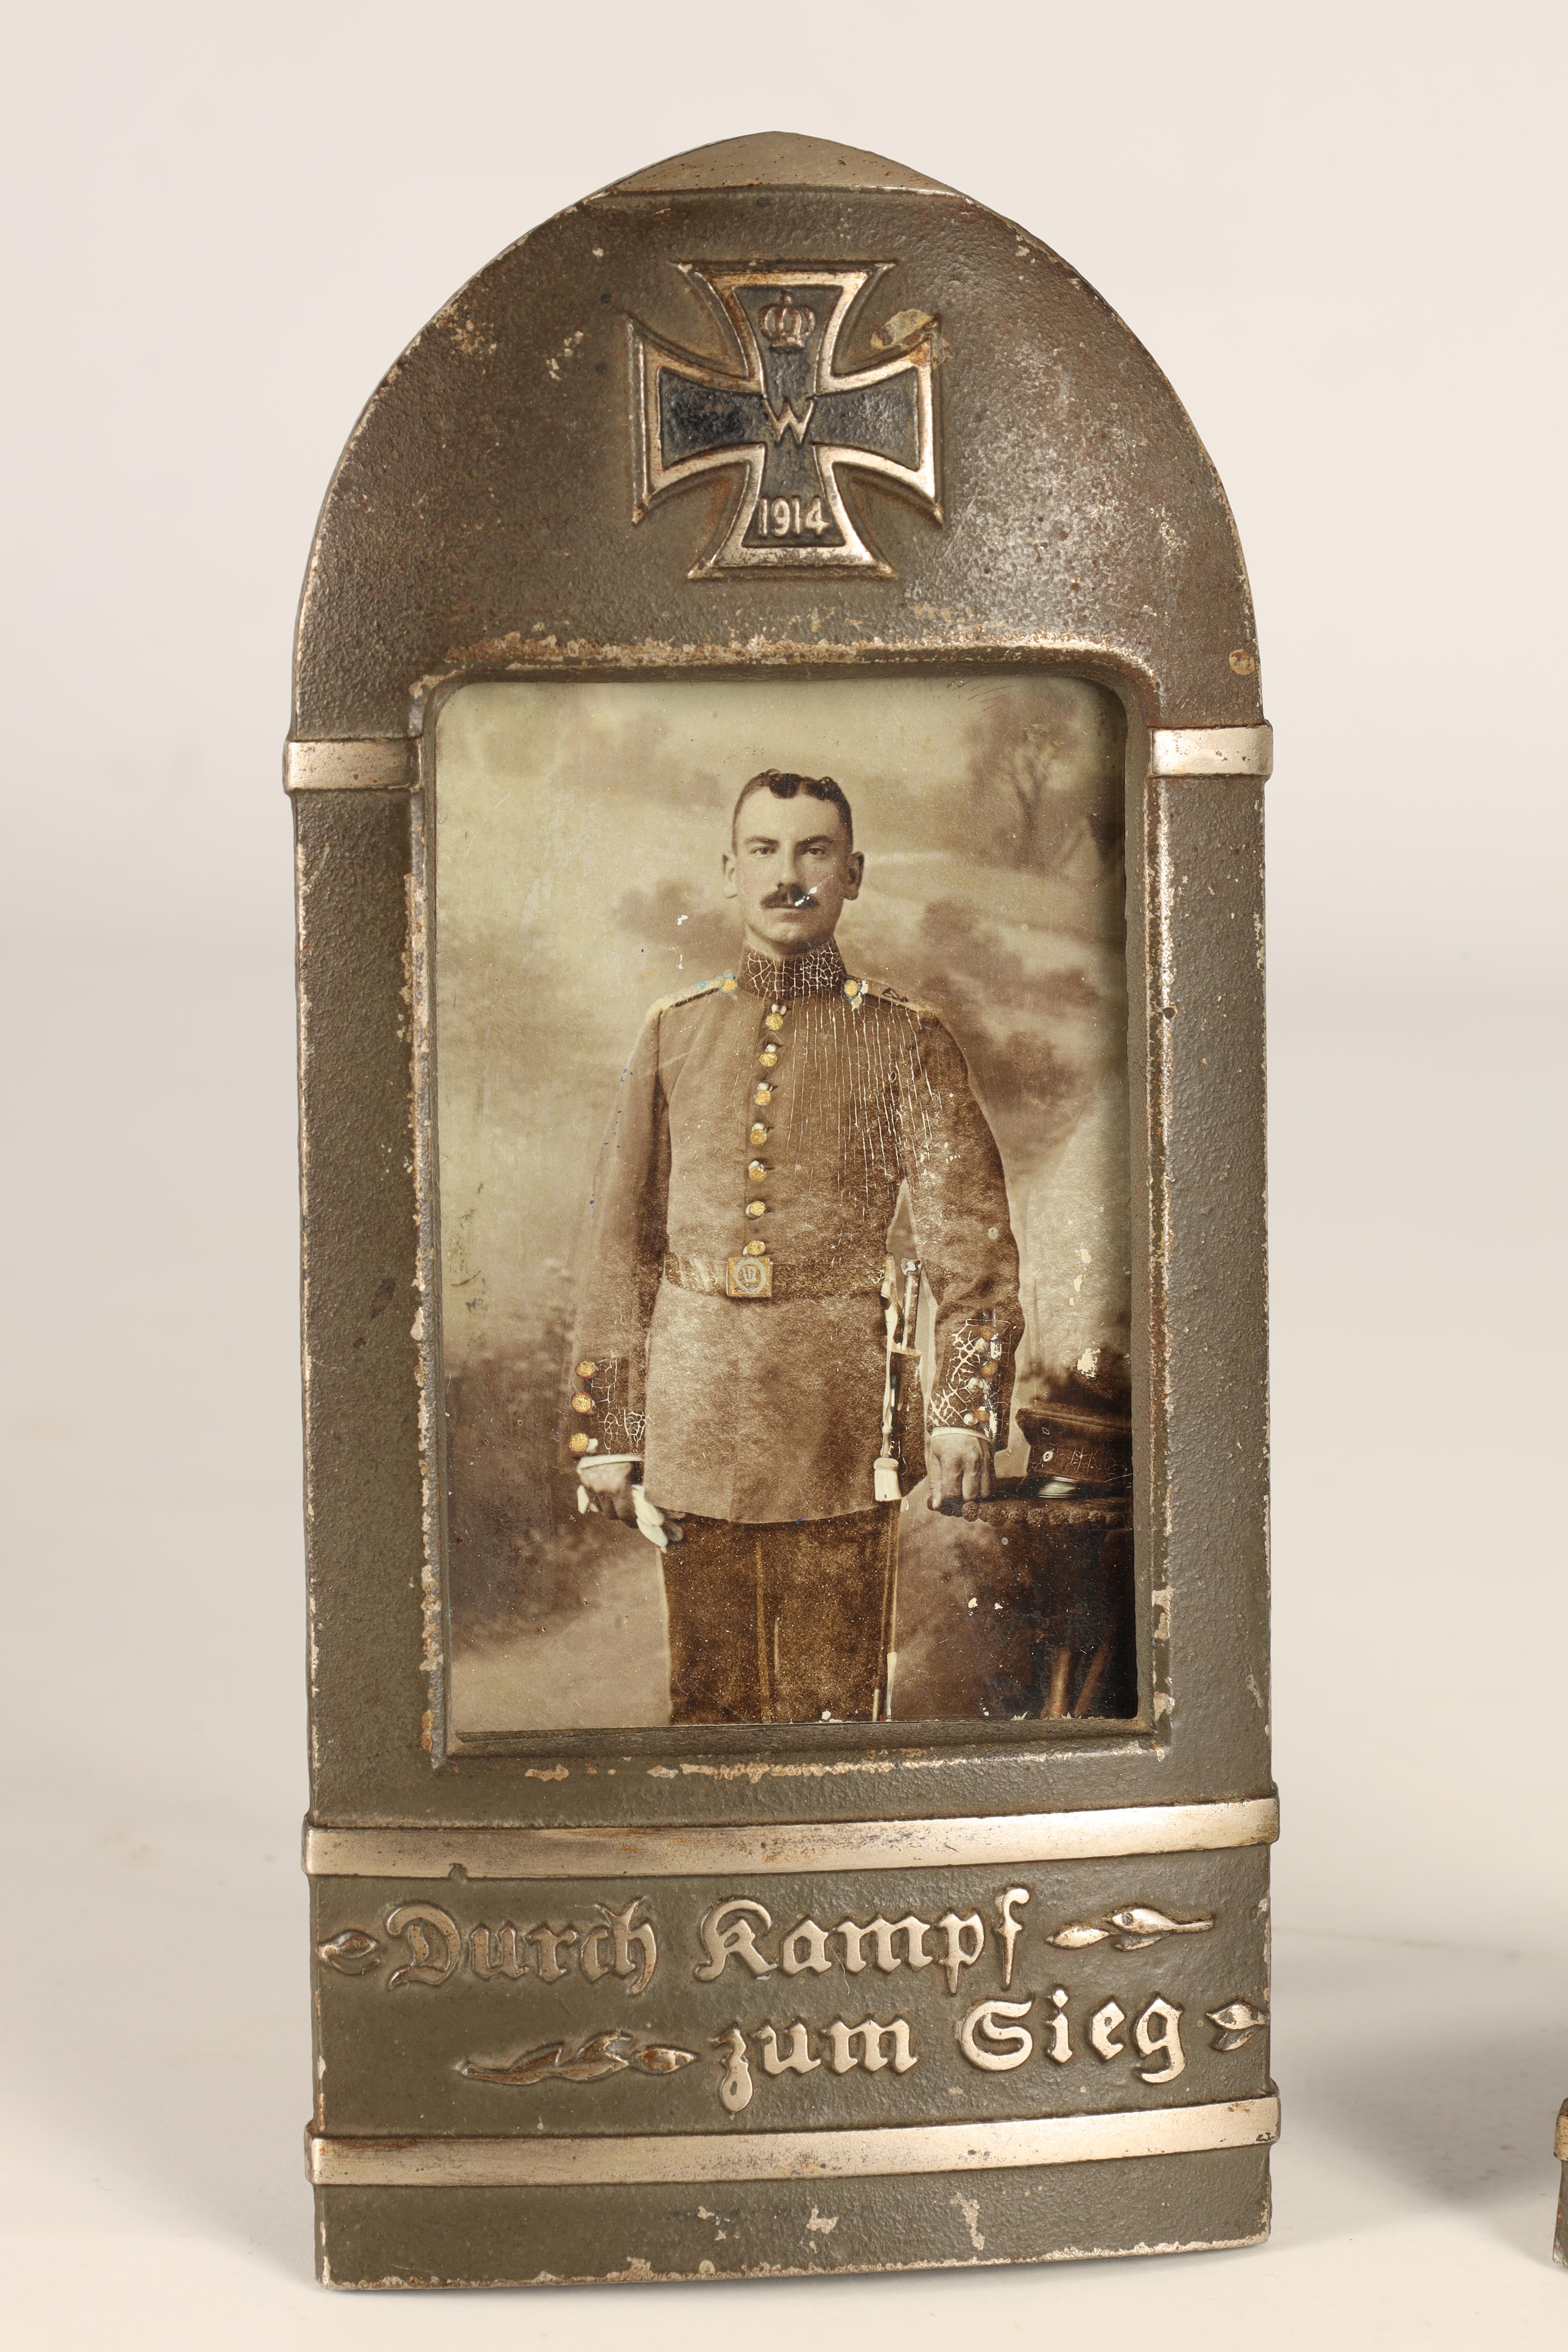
(1238, 2022)
(352, 1954)
(1132, 1929)
(590, 2058)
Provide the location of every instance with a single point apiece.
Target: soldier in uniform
(730, 1351)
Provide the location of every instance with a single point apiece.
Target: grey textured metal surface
(1058, 539)
(429, 2238)
(482, 525)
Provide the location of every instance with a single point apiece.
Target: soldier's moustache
(789, 895)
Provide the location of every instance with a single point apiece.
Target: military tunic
(772, 1116)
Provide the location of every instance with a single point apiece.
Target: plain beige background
(1337, 227)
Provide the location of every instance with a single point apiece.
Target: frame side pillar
(1209, 1377)
(359, 1298)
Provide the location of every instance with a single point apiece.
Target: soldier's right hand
(958, 1463)
(608, 1486)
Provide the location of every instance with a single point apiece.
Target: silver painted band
(387, 763)
(384, 763)
(1000, 1841)
(598, 2162)
(1211, 752)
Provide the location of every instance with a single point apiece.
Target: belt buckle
(749, 1277)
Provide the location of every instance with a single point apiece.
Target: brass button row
(762, 1095)
(580, 1442)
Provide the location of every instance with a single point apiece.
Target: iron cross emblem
(784, 421)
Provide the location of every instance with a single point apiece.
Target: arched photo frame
(776, 411)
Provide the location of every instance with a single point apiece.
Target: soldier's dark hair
(785, 787)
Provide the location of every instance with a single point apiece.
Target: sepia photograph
(782, 1154)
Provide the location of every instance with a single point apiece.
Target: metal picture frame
(495, 518)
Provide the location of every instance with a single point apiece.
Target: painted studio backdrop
(580, 829)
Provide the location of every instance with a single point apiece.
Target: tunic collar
(820, 971)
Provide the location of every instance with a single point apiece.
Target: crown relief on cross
(788, 326)
(786, 418)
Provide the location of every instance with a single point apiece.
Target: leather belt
(710, 1277)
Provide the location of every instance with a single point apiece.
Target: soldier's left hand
(958, 1464)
